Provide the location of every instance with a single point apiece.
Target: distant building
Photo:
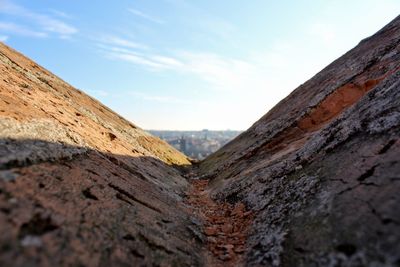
(205, 132)
(182, 144)
(196, 144)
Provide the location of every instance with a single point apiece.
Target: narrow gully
(225, 225)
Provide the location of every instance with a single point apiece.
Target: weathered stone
(315, 182)
(321, 169)
(81, 186)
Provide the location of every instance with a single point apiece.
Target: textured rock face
(81, 186)
(315, 182)
(321, 170)
(35, 98)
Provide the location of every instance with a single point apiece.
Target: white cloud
(151, 61)
(118, 41)
(117, 48)
(166, 62)
(60, 14)
(20, 30)
(221, 72)
(136, 59)
(46, 23)
(54, 25)
(145, 16)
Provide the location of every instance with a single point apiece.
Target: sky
(189, 65)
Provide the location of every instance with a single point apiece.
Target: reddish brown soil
(225, 225)
(330, 108)
(335, 103)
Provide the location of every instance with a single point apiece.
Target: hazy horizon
(211, 130)
(184, 65)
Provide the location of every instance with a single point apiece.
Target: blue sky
(189, 65)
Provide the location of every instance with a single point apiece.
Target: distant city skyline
(196, 144)
(189, 65)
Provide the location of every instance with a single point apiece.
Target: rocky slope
(321, 170)
(81, 186)
(315, 182)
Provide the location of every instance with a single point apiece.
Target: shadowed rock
(92, 209)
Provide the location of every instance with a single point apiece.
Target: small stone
(31, 241)
(8, 176)
(13, 200)
(298, 167)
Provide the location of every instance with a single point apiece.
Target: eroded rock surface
(321, 170)
(315, 182)
(225, 226)
(81, 186)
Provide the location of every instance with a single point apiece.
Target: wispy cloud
(152, 62)
(145, 16)
(45, 23)
(166, 61)
(220, 71)
(141, 57)
(223, 73)
(136, 59)
(118, 41)
(60, 14)
(13, 28)
(3, 38)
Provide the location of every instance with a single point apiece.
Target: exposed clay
(334, 104)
